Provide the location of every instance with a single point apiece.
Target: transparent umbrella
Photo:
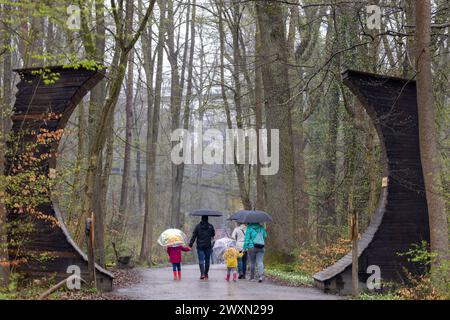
(172, 237)
(220, 245)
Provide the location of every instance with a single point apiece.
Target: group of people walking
(249, 245)
(250, 241)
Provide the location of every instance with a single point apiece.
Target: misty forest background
(227, 64)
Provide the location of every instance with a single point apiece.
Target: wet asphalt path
(157, 283)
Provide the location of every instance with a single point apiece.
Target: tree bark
(259, 106)
(239, 168)
(430, 157)
(153, 115)
(280, 193)
(117, 74)
(123, 206)
(176, 92)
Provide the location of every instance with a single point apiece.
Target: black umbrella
(236, 215)
(206, 212)
(251, 216)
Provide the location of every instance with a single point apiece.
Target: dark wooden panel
(402, 216)
(34, 100)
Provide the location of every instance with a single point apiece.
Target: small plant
(426, 286)
(290, 277)
(378, 296)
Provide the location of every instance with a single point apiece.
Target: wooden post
(90, 222)
(354, 237)
(354, 234)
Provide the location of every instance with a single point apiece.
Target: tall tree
(428, 138)
(125, 41)
(280, 193)
(177, 79)
(153, 116)
(128, 142)
(233, 23)
(5, 106)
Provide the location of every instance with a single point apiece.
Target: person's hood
(204, 224)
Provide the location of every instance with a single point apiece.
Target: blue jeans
(176, 266)
(256, 258)
(204, 257)
(242, 264)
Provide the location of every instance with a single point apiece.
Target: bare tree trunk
(237, 95)
(280, 193)
(259, 105)
(188, 101)
(301, 199)
(94, 44)
(36, 39)
(430, 157)
(124, 44)
(137, 144)
(176, 94)
(153, 115)
(327, 218)
(79, 165)
(410, 15)
(240, 172)
(104, 186)
(123, 206)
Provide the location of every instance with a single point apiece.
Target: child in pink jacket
(175, 258)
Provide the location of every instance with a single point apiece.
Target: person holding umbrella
(254, 240)
(174, 240)
(204, 233)
(239, 236)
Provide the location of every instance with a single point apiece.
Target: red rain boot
(234, 276)
(179, 275)
(174, 275)
(227, 278)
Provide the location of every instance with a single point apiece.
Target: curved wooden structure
(401, 218)
(40, 112)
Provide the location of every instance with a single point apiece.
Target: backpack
(258, 241)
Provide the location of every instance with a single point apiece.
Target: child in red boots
(174, 253)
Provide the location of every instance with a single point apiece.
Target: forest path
(157, 283)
